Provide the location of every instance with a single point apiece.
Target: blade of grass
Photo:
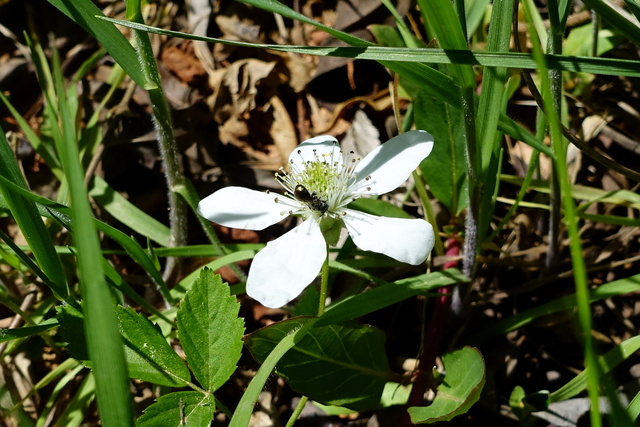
(60, 213)
(610, 360)
(611, 289)
(243, 411)
(127, 213)
(104, 342)
(571, 222)
(28, 219)
(450, 30)
(619, 20)
(603, 66)
(490, 107)
(85, 14)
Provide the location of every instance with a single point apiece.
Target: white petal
(390, 164)
(240, 207)
(406, 240)
(324, 148)
(287, 265)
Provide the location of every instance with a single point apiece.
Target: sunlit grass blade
(443, 20)
(394, 57)
(103, 339)
(610, 360)
(127, 213)
(491, 105)
(571, 222)
(386, 295)
(617, 18)
(443, 86)
(28, 262)
(243, 411)
(28, 219)
(568, 302)
(85, 13)
(45, 151)
(27, 331)
(634, 7)
(61, 213)
(476, 11)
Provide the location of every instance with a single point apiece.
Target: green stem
(475, 185)
(554, 46)
(296, 412)
(324, 283)
(426, 205)
(166, 142)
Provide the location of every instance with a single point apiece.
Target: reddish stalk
(432, 339)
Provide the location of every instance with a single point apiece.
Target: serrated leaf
(460, 389)
(341, 365)
(183, 408)
(72, 331)
(149, 356)
(210, 331)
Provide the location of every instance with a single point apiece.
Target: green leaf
(386, 295)
(27, 331)
(634, 7)
(622, 24)
(128, 214)
(446, 124)
(210, 331)
(378, 207)
(459, 390)
(28, 219)
(568, 302)
(75, 410)
(85, 14)
(72, 331)
(579, 42)
(183, 408)
(443, 20)
(51, 209)
(397, 58)
(242, 414)
(610, 360)
(340, 365)
(149, 356)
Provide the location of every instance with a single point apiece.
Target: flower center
(324, 183)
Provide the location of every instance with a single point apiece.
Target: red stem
(432, 338)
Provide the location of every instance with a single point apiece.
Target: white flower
(319, 186)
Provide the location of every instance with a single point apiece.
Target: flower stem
(166, 142)
(324, 282)
(296, 412)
